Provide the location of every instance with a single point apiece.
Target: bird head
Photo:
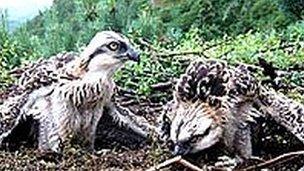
(193, 130)
(105, 53)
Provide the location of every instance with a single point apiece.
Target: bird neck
(105, 71)
(96, 76)
(81, 71)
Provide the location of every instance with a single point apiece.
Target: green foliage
(249, 27)
(283, 48)
(150, 71)
(295, 7)
(217, 18)
(13, 51)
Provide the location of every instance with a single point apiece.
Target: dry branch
(163, 85)
(189, 165)
(172, 54)
(129, 102)
(165, 163)
(177, 159)
(285, 157)
(147, 44)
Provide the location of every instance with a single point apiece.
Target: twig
(125, 91)
(147, 44)
(128, 96)
(165, 163)
(168, 54)
(225, 53)
(163, 85)
(200, 53)
(286, 156)
(189, 165)
(177, 159)
(172, 54)
(155, 109)
(151, 104)
(129, 102)
(271, 49)
(299, 88)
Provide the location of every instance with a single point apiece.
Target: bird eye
(113, 46)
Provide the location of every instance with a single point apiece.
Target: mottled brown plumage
(214, 102)
(67, 94)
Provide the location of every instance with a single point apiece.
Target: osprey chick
(214, 102)
(68, 94)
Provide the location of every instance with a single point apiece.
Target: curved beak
(133, 55)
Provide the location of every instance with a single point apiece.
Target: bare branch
(285, 157)
(165, 163)
(172, 54)
(189, 165)
(177, 159)
(163, 85)
(147, 44)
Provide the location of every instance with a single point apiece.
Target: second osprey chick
(214, 102)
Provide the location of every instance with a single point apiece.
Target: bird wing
(285, 111)
(29, 78)
(38, 74)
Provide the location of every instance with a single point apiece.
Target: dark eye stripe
(123, 47)
(179, 128)
(96, 52)
(206, 132)
(195, 137)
